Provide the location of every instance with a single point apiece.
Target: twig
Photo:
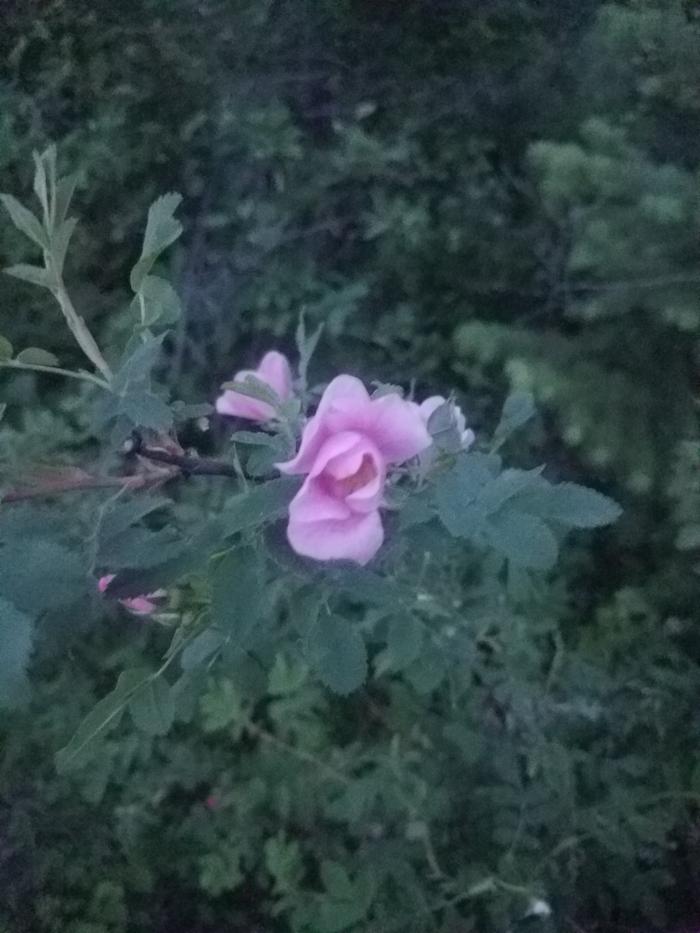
(189, 466)
(54, 486)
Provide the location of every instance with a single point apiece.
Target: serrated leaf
(518, 409)
(146, 410)
(162, 229)
(457, 493)
(252, 387)
(35, 356)
(336, 651)
(570, 505)
(523, 539)
(237, 594)
(161, 303)
(25, 221)
(35, 275)
(6, 349)
(152, 707)
(15, 647)
(261, 504)
(505, 486)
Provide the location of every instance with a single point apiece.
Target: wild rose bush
(351, 521)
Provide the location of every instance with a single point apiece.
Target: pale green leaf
(6, 349)
(60, 241)
(65, 188)
(35, 275)
(518, 409)
(35, 356)
(570, 505)
(156, 302)
(162, 229)
(523, 539)
(26, 222)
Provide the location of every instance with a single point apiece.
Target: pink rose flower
(345, 451)
(431, 404)
(137, 605)
(274, 370)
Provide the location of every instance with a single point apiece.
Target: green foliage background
(486, 195)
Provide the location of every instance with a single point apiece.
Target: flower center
(365, 473)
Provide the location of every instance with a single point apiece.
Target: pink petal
(274, 369)
(397, 428)
(139, 605)
(345, 397)
(313, 503)
(242, 406)
(104, 582)
(356, 538)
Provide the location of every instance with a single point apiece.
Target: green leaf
(41, 188)
(35, 356)
(252, 387)
(306, 346)
(102, 719)
(65, 188)
(146, 410)
(518, 409)
(35, 275)
(457, 493)
(6, 349)
(237, 594)
(161, 303)
(26, 222)
(337, 881)
(193, 556)
(524, 539)
(60, 242)
(162, 229)
(336, 651)
(264, 503)
(15, 647)
(404, 643)
(507, 485)
(152, 708)
(570, 505)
